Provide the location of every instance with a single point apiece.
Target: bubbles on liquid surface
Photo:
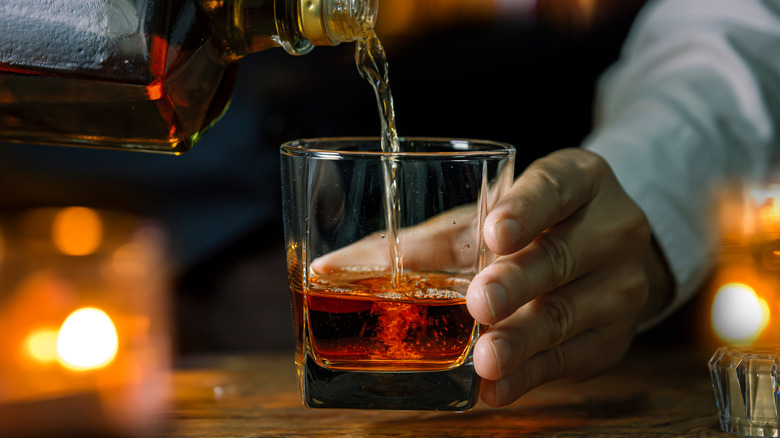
(360, 281)
(421, 294)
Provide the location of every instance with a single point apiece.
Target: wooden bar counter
(654, 392)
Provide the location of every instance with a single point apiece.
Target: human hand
(572, 281)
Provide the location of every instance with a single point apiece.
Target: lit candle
(744, 373)
(746, 278)
(83, 323)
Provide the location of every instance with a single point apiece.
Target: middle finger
(553, 259)
(547, 321)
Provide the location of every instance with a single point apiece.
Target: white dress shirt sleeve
(693, 101)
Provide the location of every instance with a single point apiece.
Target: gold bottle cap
(312, 21)
(331, 22)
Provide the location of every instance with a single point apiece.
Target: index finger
(445, 241)
(548, 191)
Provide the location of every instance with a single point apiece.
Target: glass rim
(460, 148)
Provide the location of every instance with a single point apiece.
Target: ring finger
(572, 358)
(556, 257)
(551, 319)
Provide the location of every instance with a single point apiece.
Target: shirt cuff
(641, 151)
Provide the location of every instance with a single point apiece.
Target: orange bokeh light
(77, 231)
(42, 345)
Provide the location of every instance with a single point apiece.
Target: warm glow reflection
(128, 259)
(738, 314)
(87, 340)
(765, 209)
(77, 231)
(42, 345)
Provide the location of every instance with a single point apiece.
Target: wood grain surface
(652, 393)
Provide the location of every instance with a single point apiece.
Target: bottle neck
(331, 22)
(243, 27)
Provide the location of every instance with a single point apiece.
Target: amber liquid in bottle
(152, 78)
(150, 75)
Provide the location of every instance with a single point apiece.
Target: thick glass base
(455, 389)
(740, 426)
(745, 380)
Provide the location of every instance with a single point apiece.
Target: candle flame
(87, 340)
(739, 315)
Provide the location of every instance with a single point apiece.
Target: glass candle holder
(745, 380)
(84, 335)
(381, 248)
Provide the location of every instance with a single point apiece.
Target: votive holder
(84, 336)
(745, 380)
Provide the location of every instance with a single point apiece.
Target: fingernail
(496, 298)
(501, 353)
(507, 233)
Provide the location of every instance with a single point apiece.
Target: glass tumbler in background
(378, 327)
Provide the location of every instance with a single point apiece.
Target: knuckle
(521, 205)
(629, 292)
(522, 344)
(560, 317)
(593, 162)
(558, 361)
(644, 233)
(521, 284)
(638, 283)
(559, 255)
(585, 167)
(588, 162)
(547, 366)
(636, 289)
(553, 180)
(634, 225)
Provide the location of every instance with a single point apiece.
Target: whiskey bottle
(147, 75)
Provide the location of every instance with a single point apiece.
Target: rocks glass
(380, 318)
